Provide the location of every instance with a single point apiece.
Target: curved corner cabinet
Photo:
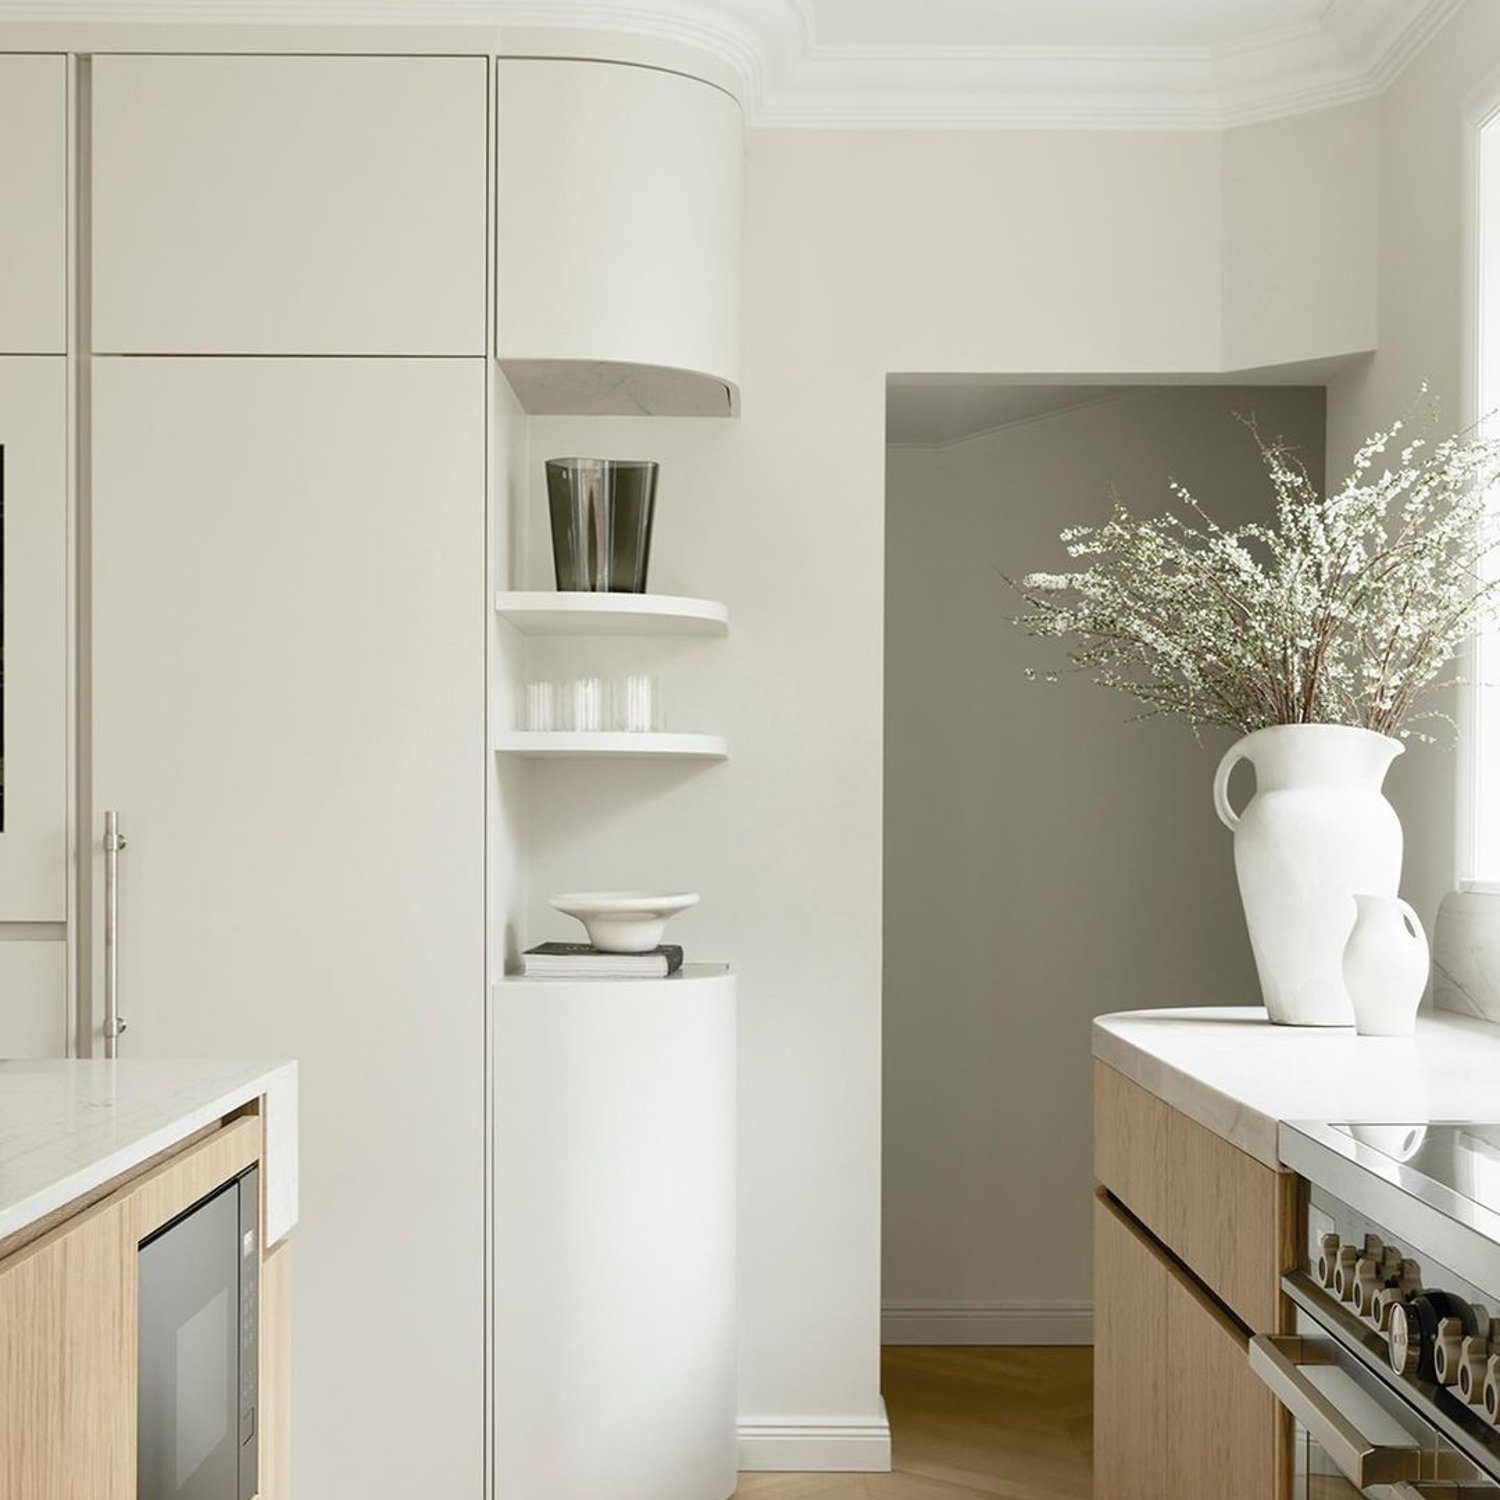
(614, 1233)
(618, 239)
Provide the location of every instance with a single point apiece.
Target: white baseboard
(816, 1444)
(919, 1321)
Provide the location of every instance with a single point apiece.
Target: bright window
(1480, 859)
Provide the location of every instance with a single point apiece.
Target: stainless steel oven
(199, 1343)
(1355, 1435)
(1392, 1375)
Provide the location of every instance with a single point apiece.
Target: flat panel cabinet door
(67, 1363)
(289, 205)
(289, 626)
(34, 192)
(618, 209)
(1131, 1400)
(34, 630)
(1224, 1422)
(33, 998)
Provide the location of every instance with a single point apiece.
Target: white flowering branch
(1345, 610)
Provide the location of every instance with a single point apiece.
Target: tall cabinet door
(33, 704)
(34, 192)
(289, 205)
(34, 639)
(288, 637)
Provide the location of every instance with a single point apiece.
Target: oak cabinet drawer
(1230, 1218)
(1178, 1413)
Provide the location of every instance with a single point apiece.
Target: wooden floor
(967, 1423)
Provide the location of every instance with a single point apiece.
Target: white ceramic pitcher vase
(1317, 830)
(1385, 966)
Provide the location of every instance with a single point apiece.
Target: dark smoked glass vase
(602, 510)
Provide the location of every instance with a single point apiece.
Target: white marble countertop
(1232, 1071)
(68, 1126)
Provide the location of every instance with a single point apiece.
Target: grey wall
(1046, 860)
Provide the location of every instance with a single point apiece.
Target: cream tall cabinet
(618, 238)
(34, 191)
(34, 522)
(288, 677)
(289, 205)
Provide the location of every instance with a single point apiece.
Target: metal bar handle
(113, 844)
(1278, 1361)
(1441, 1489)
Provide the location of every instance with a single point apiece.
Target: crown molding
(792, 80)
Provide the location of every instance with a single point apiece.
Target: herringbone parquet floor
(968, 1424)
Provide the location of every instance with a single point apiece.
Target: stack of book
(583, 961)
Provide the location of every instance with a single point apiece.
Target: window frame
(1481, 119)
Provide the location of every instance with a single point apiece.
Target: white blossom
(1344, 609)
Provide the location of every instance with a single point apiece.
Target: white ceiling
(947, 64)
(1058, 23)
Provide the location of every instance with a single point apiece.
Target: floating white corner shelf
(606, 745)
(539, 612)
(688, 974)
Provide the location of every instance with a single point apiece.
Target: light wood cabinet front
(1224, 1434)
(1230, 1218)
(1178, 1413)
(68, 1356)
(289, 205)
(1130, 1363)
(68, 1362)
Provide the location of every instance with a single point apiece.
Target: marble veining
(1466, 954)
(67, 1126)
(1228, 1068)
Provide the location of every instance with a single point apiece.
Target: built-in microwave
(199, 1350)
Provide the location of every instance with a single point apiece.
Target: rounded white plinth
(614, 1162)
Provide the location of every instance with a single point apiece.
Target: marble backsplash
(1466, 955)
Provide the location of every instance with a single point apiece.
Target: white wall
(1421, 241)
(1046, 859)
(866, 253)
(1300, 213)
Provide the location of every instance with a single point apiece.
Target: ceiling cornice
(792, 80)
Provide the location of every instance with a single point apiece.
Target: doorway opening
(1047, 859)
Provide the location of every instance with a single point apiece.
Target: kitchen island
(1197, 1219)
(99, 1160)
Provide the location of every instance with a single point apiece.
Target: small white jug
(1385, 966)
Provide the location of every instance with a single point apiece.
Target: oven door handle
(1278, 1361)
(1441, 1489)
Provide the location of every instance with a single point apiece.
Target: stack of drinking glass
(590, 704)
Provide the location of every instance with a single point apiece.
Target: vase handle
(1412, 922)
(1227, 815)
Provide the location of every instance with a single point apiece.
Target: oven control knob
(1390, 1261)
(1445, 1349)
(1404, 1339)
(1374, 1247)
(1387, 1299)
(1473, 1360)
(1343, 1273)
(1328, 1255)
(1491, 1392)
(1416, 1327)
(1410, 1279)
(1366, 1285)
